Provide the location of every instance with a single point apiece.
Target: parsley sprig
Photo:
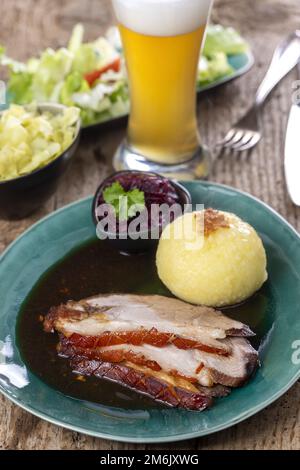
(126, 204)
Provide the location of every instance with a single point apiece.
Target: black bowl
(19, 197)
(128, 245)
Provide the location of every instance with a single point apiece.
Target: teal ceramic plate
(241, 63)
(25, 261)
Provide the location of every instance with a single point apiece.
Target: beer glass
(162, 41)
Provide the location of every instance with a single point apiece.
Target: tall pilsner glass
(162, 41)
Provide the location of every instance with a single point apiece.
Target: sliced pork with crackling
(156, 345)
(176, 394)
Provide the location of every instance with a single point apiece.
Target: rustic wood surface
(30, 25)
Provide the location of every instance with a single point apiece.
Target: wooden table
(30, 25)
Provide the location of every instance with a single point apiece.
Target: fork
(246, 132)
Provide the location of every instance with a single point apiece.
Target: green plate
(24, 262)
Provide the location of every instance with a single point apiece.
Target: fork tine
(253, 141)
(235, 139)
(244, 140)
(227, 137)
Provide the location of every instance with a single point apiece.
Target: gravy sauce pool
(92, 269)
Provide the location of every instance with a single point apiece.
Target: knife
(292, 151)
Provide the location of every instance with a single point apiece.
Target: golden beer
(162, 41)
(162, 77)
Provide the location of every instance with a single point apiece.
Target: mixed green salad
(92, 75)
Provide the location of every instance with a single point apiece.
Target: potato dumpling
(216, 260)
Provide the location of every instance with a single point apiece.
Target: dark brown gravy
(91, 269)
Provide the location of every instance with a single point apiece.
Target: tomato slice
(91, 77)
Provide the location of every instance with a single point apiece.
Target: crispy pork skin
(143, 382)
(197, 366)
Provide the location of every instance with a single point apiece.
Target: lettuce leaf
(74, 83)
(213, 68)
(54, 66)
(86, 59)
(19, 88)
(226, 40)
(92, 55)
(76, 38)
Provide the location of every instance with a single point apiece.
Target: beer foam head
(162, 17)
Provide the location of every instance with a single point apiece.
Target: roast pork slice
(177, 353)
(142, 319)
(196, 366)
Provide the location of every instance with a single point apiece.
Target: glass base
(197, 167)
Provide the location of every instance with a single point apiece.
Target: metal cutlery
(246, 133)
(292, 150)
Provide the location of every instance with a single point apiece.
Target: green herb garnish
(126, 204)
